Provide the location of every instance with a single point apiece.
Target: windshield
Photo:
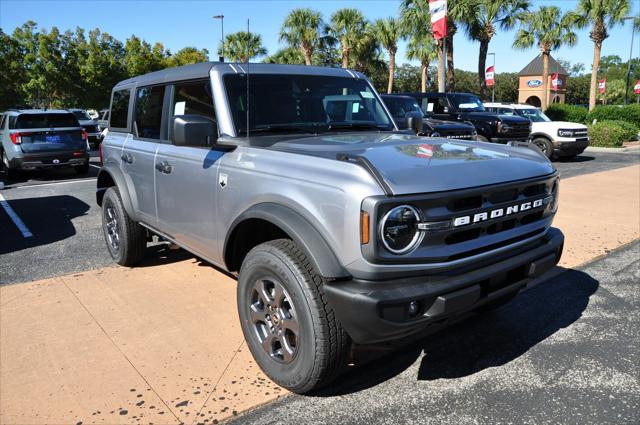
(400, 106)
(304, 103)
(81, 115)
(535, 115)
(467, 102)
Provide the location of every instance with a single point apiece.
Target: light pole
(493, 87)
(221, 17)
(633, 33)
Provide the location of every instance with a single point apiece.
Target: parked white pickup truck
(553, 138)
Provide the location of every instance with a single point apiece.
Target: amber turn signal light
(364, 227)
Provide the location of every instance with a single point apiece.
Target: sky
(177, 24)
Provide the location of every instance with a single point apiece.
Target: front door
(186, 177)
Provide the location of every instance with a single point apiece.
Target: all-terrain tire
(131, 238)
(321, 345)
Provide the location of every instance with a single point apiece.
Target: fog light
(413, 308)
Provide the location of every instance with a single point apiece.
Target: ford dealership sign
(534, 83)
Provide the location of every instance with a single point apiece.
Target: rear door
(186, 176)
(48, 132)
(139, 151)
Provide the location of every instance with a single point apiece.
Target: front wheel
(545, 146)
(289, 328)
(126, 239)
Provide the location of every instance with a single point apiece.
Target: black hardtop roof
(202, 70)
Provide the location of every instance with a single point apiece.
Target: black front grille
(519, 130)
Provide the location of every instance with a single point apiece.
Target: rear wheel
(9, 173)
(545, 146)
(126, 239)
(290, 330)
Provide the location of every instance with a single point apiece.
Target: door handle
(164, 167)
(127, 158)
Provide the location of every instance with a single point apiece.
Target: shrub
(630, 130)
(607, 134)
(628, 113)
(563, 112)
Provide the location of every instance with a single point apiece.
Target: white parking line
(56, 183)
(16, 219)
(95, 166)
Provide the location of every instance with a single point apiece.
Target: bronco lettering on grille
(500, 212)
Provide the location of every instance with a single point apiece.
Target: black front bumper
(375, 311)
(570, 148)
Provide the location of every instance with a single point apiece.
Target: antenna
(248, 60)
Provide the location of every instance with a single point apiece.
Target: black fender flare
(113, 174)
(301, 231)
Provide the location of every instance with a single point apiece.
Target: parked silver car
(339, 226)
(35, 138)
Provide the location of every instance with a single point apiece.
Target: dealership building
(530, 88)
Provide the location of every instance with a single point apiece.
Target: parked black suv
(401, 106)
(468, 107)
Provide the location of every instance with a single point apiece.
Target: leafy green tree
(188, 56)
(242, 46)
(302, 29)
(288, 55)
(574, 69)
(12, 76)
(481, 22)
(578, 90)
(614, 92)
(601, 15)
(549, 29)
(416, 24)
(140, 57)
(407, 78)
(423, 49)
(389, 32)
(348, 27)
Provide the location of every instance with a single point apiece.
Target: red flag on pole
(489, 76)
(602, 85)
(636, 88)
(556, 82)
(438, 10)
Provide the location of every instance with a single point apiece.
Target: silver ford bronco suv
(339, 227)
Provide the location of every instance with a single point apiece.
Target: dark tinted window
(120, 108)
(46, 120)
(148, 118)
(435, 105)
(193, 98)
(303, 102)
(81, 115)
(467, 102)
(400, 106)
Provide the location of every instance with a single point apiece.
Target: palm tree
(422, 48)
(602, 15)
(347, 26)
(389, 32)
(301, 28)
(550, 29)
(480, 24)
(242, 46)
(416, 24)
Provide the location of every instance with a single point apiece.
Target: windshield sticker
(467, 105)
(430, 107)
(366, 94)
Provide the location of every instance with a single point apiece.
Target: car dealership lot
(75, 346)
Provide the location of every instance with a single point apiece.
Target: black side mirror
(414, 121)
(194, 130)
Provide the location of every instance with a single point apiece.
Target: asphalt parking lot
(60, 211)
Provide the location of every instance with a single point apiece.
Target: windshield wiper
(356, 126)
(281, 128)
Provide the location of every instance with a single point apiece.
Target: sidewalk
(162, 344)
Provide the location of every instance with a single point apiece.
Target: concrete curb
(613, 150)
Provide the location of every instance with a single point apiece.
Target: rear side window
(46, 121)
(149, 101)
(193, 98)
(120, 108)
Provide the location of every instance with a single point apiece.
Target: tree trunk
(345, 58)
(451, 76)
(440, 67)
(392, 70)
(424, 65)
(594, 74)
(545, 78)
(482, 67)
(307, 53)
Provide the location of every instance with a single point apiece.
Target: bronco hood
(410, 164)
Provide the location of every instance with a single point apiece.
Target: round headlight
(399, 229)
(435, 134)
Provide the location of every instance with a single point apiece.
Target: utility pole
(633, 33)
(221, 17)
(493, 87)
